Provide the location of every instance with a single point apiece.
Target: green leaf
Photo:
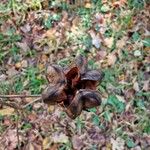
(48, 22)
(130, 143)
(56, 17)
(140, 104)
(105, 8)
(118, 105)
(26, 126)
(92, 110)
(135, 36)
(96, 120)
(146, 42)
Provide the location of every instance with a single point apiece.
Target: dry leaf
(109, 42)
(111, 59)
(136, 86)
(146, 86)
(23, 46)
(11, 72)
(59, 138)
(96, 41)
(77, 142)
(46, 143)
(7, 111)
(117, 144)
(26, 28)
(88, 5)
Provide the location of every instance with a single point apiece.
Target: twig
(38, 99)
(18, 96)
(17, 129)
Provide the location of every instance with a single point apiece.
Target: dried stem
(18, 96)
(38, 99)
(17, 129)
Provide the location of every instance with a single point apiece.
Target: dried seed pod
(73, 87)
(55, 74)
(54, 94)
(90, 98)
(81, 63)
(86, 84)
(92, 75)
(76, 106)
(73, 76)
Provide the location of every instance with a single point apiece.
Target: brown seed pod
(55, 74)
(74, 87)
(90, 98)
(75, 107)
(54, 94)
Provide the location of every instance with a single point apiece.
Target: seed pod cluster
(73, 87)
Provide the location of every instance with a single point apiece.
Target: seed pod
(55, 74)
(81, 63)
(90, 98)
(76, 106)
(73, 76)
(54, 94)
(92, 75)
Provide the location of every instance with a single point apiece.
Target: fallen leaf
(59, 138)
(109, 42)
(23, 46)
(77, 142)
(146, 86)
(96, 41)
(3, 77)
(136, 86)
(18, 65)
(46, 143)
(11, 72)
(118, 144)
(26, 28)
(7, 111)
(88, 5)
(24, 63)
(11, 140)
(111, 59)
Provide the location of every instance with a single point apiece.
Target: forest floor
(113, 35)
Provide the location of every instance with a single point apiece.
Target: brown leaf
(23, 46)
(7, 111)
(53, 94)
(92, 75)
(55, 74)
(109, 42)
(77, 142)
(111, 59)
(59, 138)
